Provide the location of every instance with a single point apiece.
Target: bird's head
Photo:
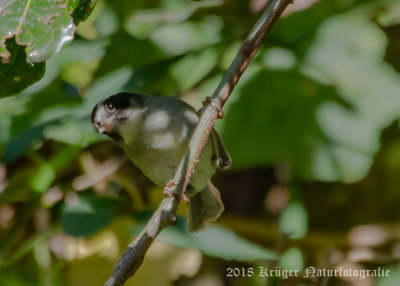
(113, 114)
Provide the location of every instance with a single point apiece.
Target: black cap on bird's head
(109, 113)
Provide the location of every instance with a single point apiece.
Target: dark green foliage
(86, 215)
(81, 9)
(17, 73)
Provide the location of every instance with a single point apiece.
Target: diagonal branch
(133, 256)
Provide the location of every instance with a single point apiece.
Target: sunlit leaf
(349, 51)
(41, 25)
(292, 259)
(191, 69)
(279, 59)
(47, 171)
(142, 22)
(43, 177)
(177, 39)
(294, 220)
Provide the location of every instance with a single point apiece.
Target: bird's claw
(210, 101)
(170, 191)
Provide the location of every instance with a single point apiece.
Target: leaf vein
(22, 19)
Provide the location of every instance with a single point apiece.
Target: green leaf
(391, 276)
(180, 38)
(125, 50)
(82, 9)
(78, 51)
(191, 69)
(385, 12)
(43, 178)
(75, 132)
(294, 220)
(349, 51)
(43, 26)
(25, 139)
(279, 59)
(273, 121)
(47, 171)
(216, 241)
(17, 74)
(87, 215)
(142, 22)
(292, 259)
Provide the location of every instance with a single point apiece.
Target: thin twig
(133, 256)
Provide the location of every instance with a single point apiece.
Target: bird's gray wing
(221, 157)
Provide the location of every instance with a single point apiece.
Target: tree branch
(133, 256)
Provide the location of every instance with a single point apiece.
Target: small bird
(154, 133)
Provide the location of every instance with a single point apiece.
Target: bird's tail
(204, 207)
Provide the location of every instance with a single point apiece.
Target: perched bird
(154, 133)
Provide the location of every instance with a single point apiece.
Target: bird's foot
(210, 101)
(169, 190)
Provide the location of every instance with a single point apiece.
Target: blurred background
(312, 128)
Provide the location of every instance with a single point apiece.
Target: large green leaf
(43, 26)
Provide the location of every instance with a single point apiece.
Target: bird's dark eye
(110, 107)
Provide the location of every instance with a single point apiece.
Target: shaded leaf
(125, 50)
(17, 73)
(87, 215)
(81, 9)
(25, 139)
(18, 190)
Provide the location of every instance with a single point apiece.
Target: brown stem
(133, 256)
